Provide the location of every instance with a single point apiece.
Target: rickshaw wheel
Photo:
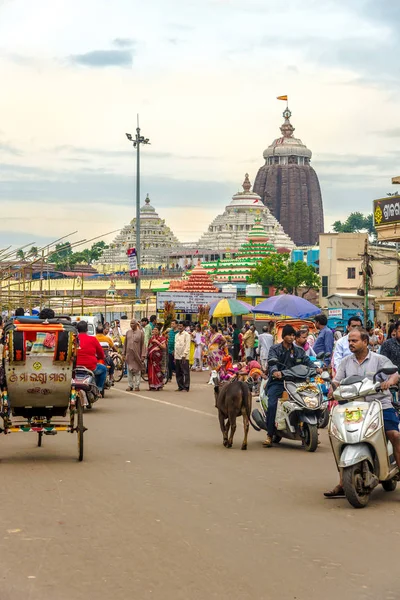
(80, 430)
(39, 440)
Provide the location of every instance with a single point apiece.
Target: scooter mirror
(388, 370)
(273, 361)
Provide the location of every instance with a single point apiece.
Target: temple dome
(287, 145)
(229, 230)
(156, 238)
(289, 186)
(245, 198)
(238, 268)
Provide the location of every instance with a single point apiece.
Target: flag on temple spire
(282, 98)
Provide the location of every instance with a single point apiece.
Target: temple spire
(246, 184)
(287, 128)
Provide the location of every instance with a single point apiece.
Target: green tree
(271, 271)
(355, 223)
(33, 252)
(62, 256)
(299, 274)
(276, 271)
(20, 254)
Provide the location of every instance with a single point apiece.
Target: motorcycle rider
(341, 349)
(90, 353)
(288, 355)
(102, 337)
(365, 363)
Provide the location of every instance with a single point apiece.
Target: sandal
(337, 492)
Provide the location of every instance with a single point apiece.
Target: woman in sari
(216, 345)
(155, 352)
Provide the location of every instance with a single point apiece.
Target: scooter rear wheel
(352, 478)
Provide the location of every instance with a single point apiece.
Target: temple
(230, 230)
(156, 239)
(237, 269)
(289, 186)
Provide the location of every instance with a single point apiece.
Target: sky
(204, 76)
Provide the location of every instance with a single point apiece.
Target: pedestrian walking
(248, 342)
(134, 354)
(171, 348)
(155, 348)
(181, 353)
(265, 341)
(236, 342)
(198, 340)
(216, 348)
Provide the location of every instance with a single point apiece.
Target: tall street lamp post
(137, 141)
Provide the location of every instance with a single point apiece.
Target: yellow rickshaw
(38, 392)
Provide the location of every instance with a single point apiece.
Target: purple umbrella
(287, 305)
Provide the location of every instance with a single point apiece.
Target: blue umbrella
(287, 305)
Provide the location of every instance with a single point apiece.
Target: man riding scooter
(105, 339)
(287, 355)
(90, 353)
(364, 363)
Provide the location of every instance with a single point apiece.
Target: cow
(232, 399)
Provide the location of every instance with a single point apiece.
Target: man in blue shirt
(324, 341)
(171, 348)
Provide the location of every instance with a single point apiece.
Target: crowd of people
(164, 353)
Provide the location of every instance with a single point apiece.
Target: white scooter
(358, 439)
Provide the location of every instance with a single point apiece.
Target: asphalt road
(160, 510)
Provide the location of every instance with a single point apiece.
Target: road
(160, 510)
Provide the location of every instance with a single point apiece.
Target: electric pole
(367, 272)
(139, 139)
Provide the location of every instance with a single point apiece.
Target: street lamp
(136, 142)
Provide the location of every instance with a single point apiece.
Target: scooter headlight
(311, 402)
(372, 427)
(335, 432)
(346, 392)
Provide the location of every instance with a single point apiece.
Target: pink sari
(154, 362)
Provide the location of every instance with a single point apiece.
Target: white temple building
(230, 230)
(156, 239)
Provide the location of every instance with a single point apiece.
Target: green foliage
(20, 254)
(355, 223)
(33, 252)
(64, 258)
(270, 271)
(299, 274)
(276, 271)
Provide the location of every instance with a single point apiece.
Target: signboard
(387, 211)
(396, 308)
(132, 260)
(335, 312)
(189, 302)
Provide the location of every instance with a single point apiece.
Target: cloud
(103, 58)
(56, 187)
(124, 153)
(389, 133)
(9, 149)
(124, 42)
(384, 162)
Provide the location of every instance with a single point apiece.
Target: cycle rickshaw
(38, 393)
